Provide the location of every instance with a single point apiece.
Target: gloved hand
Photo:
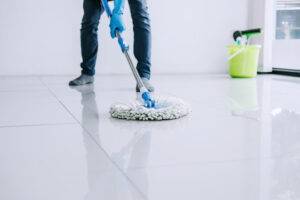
(116, 20)
(116, 24)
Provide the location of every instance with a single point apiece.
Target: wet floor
(241, 141)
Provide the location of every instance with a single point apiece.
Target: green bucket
(243, 60)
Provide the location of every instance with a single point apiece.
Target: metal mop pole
(145, 94)
(132, 67)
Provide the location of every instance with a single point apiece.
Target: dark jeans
(142, 35)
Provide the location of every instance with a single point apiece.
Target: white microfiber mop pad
(167, 108)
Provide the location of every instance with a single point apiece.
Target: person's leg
(89, 35)
(142, 36)
(89, 41)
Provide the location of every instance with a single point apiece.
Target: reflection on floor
(242, 140)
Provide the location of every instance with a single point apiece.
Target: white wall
(42, 36)
(262, 15)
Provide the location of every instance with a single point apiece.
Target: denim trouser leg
(142, 36)
(89, 38)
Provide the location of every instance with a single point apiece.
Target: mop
(146, 107)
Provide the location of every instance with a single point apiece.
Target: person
(93, 10)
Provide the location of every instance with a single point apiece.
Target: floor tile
(57, 162)
(20, 83)
(20, 108)
(231, 119)
(255, 179)
(241, 140)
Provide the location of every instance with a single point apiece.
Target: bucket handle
(236, 53)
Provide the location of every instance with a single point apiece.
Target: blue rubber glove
(116, 24)
(116, 20)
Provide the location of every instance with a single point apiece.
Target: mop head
(166, 108)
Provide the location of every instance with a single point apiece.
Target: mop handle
(106, 8)
(124, 47)
(109, 13)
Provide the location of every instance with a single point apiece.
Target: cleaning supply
(243, 59)
(145, 108)
(167, 108)
(243, 37)
(144, 93)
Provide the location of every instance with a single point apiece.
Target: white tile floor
(242, 140)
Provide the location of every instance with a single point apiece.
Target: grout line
(201, 163)
(91, 136)
(33, 125)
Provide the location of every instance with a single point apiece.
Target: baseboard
(264, 73)
(287, 72)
